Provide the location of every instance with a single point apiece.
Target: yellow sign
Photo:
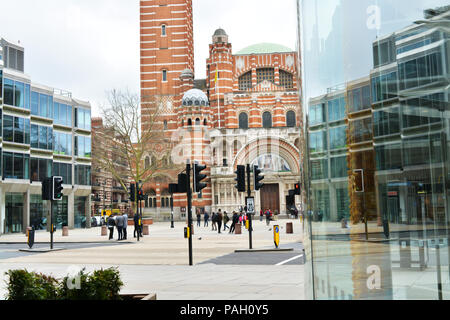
(276, 235)
(246, 224)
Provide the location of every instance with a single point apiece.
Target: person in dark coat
(219, 218)
(111, 225)
(198, 218)
(206, 217)
(119, 225)
(213, 221)
(234, 220)
(226, 218)
(136, 224)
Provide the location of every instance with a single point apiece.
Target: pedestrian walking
(125, 225)
(213, 221)
(119, 225)
(206, 218)
(234, 220)
(136, 225)
(261, 215)
(226, 218)
(219, 219)
(198, 218)
(268, 217)
(111, 225)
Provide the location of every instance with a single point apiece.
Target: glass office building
(44, 132)
(376, 83)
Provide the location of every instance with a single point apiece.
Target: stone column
(26, 211)
(87, 210)
(71, 210)
(2, 210)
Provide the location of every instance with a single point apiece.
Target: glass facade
(80, 212)
(38, 212)
(376, 170)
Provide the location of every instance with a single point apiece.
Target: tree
(133, 135)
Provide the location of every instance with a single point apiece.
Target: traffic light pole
(189, 199)
(51, 225)
(136, 197)
(249, 193)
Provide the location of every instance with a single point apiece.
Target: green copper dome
(262, 48)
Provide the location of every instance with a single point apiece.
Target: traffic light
(198, 177)
(132, 194)
(182, 183)
(257, 178)
(297, 189)
(57, 188)
(141, 195)
(240, 178)
(47, 189)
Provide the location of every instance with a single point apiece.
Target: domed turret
(220, 36)
(195, 97)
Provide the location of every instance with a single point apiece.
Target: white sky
(89, 47)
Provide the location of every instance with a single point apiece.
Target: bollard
(146, 231)
(28, 229)
(289, 227)
(65, 231)
(104, 231)
(238, 228)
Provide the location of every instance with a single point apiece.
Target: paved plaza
(159, 262)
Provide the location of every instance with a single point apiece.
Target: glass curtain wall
(377, 182)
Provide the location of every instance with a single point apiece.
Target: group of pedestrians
(218, 219)
(120, 221)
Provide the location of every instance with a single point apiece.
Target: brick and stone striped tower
(219, 75)
(167, 48)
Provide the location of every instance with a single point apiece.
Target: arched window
(147, 162)
(197, 122)
(154, 202)
(265, 74)
(163, 30)
(286, 80)
(243, 120)
(153, 160)
(165, 125)
(267, 119)
(205, 123)
(189, 122)
(245, 81)
(290, 119)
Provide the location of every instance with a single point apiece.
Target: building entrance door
(270, 197)
(14, 213)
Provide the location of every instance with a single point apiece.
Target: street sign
(250, 201)
(276, 235)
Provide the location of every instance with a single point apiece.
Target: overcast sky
(91, 46)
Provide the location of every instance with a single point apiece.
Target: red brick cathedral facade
(247, 110)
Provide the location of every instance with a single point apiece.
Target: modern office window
(317, 141)
(336, 109)
(384, 87)
(8, 89)
(41, 137)
(83, 175)
(319, 169)
(316, 114)
(16, 165)
(83, 146)
(421, 71)
(339, 168)
(422, 111)
(388, 157)
(291, 120)
(1, 81)
(286, 79)
(62, 143)
(41, 105)
(386, 122)
(243, 120)
(360, 130)
(384, 52)
(338, 137)
(40, 169)
(83, 118)
(265, 74)
(245, 81)
(62, 114)
(16, 129)
(64, 170)
(267, 120)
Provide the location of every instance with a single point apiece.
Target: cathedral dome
(220, 32)
(187, 73)
(195, 97)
